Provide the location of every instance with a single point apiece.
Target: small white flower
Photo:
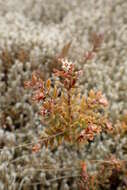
(66, 65)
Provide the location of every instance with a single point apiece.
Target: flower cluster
(66, 65)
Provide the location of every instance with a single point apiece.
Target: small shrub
(71, 117)
(68, 115)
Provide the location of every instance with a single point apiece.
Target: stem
(69, 104)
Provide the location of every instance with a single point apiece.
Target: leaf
(83, 103)
(55, 93)
(64, 98)
(48, 84)
(67, 137)
(91, 94)
(46, 105)
(124, 118)
(51, 143)
(59, 140)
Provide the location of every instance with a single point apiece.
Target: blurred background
(32, 33)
